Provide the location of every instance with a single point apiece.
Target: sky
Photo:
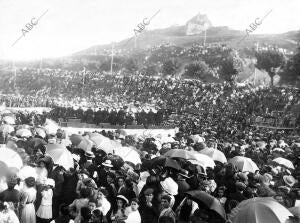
(69, 26)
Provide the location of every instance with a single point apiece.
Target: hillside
(193, 32)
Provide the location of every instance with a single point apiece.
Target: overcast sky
(73, 25)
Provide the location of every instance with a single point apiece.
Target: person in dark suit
(121, 117)
(98, 117)
(58, 176)
(149, 212)
(237, 196)
(102, 173)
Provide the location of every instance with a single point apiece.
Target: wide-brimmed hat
(170, 186)
(89, 154)
(289, 180)
(123, 198)
(269, 176)
(107, 163)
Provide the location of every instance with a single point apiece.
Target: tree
(291, 71)
(198, 70)
(229, 68)
(270, 61)
(170, 67)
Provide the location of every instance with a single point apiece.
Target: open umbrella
(10, 158)
(167, 139)
(163, 161)
(60, 155)
(9, 120)
(284, 162)
(6, 129)
(180, 153)
(105, 143)
(35, 142)
(215, 154)
(3, 169)
(209, 201)
(259, 210)
(51, 127)
(128, 154)
(27, 171)
(116, 161)
(76, 139)
(24, 133)
(41, 132)
(203, 160)
(295, 211)
(244, 164)
(85, 144)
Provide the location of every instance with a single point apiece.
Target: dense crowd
(115, 177)
(135, 99)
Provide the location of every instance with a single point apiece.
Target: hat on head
(89, 154)
(121, 137)
(121, 197)
(50, 182)
(278, 150)
(107, 163)
(274, 171)
(289, 180)
(269, 176)
(170, 186)
(184, 173)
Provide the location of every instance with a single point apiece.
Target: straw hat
(170, 186)
(107, 163)
(89, 154)
(121, 197)
(289, 180)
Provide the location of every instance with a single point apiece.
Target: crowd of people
(219, 161)
(143, 100)
(166, 183)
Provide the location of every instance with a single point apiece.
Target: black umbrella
(116, 161)
(203, 198)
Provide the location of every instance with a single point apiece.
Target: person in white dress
(7, 215)
(28, 197)
(44, 213)
(42, 172)
(134, 215)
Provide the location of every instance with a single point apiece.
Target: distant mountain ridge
(192, 32)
